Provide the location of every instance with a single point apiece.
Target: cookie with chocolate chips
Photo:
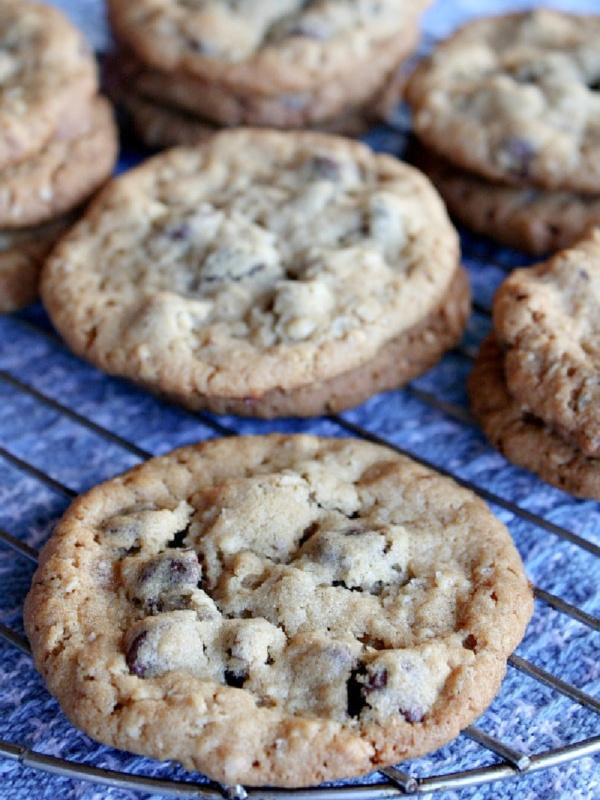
(515, 99)
(546, 320)
(281, 64)
(290, 609)
(522, 436)
(63, 173)
(47, 72)
(262, 273)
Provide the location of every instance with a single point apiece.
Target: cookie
(546, 319)
(262, 47)
(46, 72)
(158, 125)
(515, 99)
(225, 105)
(536, 221)
(22, 253)
(523, 438)
(60, 176)
(260, 261)
(277, 610)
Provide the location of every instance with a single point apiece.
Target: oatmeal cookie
(546, 318)
(523, 438)
(277, 610)
(46, 72)
(260, 261)
(515, 99)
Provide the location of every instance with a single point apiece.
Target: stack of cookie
(58, 140)
(507, 114)
(535, 383)
(183, 69)
(263, 273)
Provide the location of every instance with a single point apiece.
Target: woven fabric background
(526, 714)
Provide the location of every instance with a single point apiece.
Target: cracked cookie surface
(546, 320)
(515, 98)
(46, 71)
(260, 261)
(277, 610)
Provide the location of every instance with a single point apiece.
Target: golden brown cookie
(547, 320)
(523, 438)
(46, 71)
(278, 610)
(515, 98)
(61, 175)
(260, 262)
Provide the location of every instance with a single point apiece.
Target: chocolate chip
(201, 47)
(356, 700)
(310, 29)
(132, 657)
(164, 582)
(179, 539)
(376, 680)
(412, 715)
(470, 642)
(344, 585)
(308, 532)
(124, 532)
(372, 641)
(326, 167)
(178, 232)
(235, 679)
(519, 153)
(173, 569)
(230, 264)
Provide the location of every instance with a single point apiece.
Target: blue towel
(527, 714)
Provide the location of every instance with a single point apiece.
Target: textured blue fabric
(526, 714)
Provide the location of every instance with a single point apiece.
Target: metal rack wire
(509, 761)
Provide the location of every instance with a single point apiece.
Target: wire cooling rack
(65, 427)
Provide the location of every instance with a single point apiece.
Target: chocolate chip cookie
(46, 72)
(515, 99)
(277, 64)
(63, 173)
(546, 320)
(524, 438)
(259, 264)
(278, 610)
